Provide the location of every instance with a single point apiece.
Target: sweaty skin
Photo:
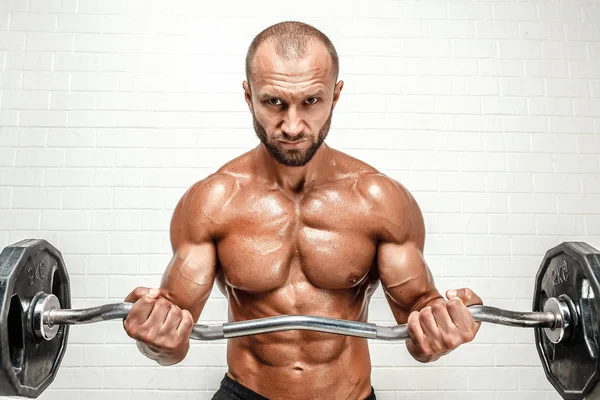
(321, 251)
(315, 239)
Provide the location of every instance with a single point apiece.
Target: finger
(428, 324)
(171, 321)
(136, 294)
(460, 315)
(159, 314)
(140, 311)
(466, 295)
(186, 324)
(415, 332)
(442, 318)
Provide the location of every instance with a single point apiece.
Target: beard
(291, 157)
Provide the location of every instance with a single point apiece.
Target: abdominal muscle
(301, 364)
(298, 365)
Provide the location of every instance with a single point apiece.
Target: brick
(543, 143)
(529, 163)
(492, 378)
(522, 87)
(554, 183)
(469, 11)
(496, 29)
(37, 198)
(114, 265)
(29, 60)
(25, 100)
(21, 176)
(76, 61)
(54, 6)
(514, 11)
(586, 107)
(11, 80)
(511, 224)
(71, 138)
(7, 157)
(114, 220)
(484, 203)
(541, 30)
(462, 223)
(83, 378)
(559, 13)
(504, 106)
(65, 220)
(509, 182)
(12, 41)
(90, 158)
(36, 80)
(67, 101)
(563, 87)
(49, 41)
(501, 67)
(532, 204)
(82, 198)
(20, 219)
(560, 225)
(32, 22)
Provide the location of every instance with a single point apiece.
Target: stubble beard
(291, 157)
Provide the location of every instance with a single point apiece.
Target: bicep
(407, 281)
(190, 275)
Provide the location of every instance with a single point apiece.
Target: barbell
(35, 316)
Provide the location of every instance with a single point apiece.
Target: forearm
(161, 357)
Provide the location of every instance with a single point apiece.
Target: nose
(293, 124)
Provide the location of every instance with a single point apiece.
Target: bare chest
(325, 240)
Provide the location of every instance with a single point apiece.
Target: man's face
(292, 102)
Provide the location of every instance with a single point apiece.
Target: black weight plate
(28, 365)
(571, 269)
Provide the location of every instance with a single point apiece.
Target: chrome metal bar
(302, 322)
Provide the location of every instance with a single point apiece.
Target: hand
(443, 326)
(158, 322)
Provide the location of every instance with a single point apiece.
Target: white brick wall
(488, 111)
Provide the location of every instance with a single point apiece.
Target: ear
(336, 92)
(247, 94)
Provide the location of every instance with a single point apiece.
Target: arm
(189, 277)
(435, 326)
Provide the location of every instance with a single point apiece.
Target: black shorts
(232, 390)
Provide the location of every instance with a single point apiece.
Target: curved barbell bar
(55, 316)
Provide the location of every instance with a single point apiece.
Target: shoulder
(393, 206)
(211, 192)
(381, 191)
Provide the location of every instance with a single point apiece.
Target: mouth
(295, 144)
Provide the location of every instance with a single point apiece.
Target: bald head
(290, 40)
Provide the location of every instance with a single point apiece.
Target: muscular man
(297, 227)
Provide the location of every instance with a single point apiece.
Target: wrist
(162, 357)
(425, 358)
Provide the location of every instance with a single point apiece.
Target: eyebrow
(268, 94)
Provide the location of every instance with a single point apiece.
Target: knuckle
(163, 303)
(426, 311)
(176, 311)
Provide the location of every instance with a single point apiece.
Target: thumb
(466, 295)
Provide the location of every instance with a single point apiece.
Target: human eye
(273, 102)
(311, 100)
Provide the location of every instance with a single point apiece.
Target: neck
(293, 179)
